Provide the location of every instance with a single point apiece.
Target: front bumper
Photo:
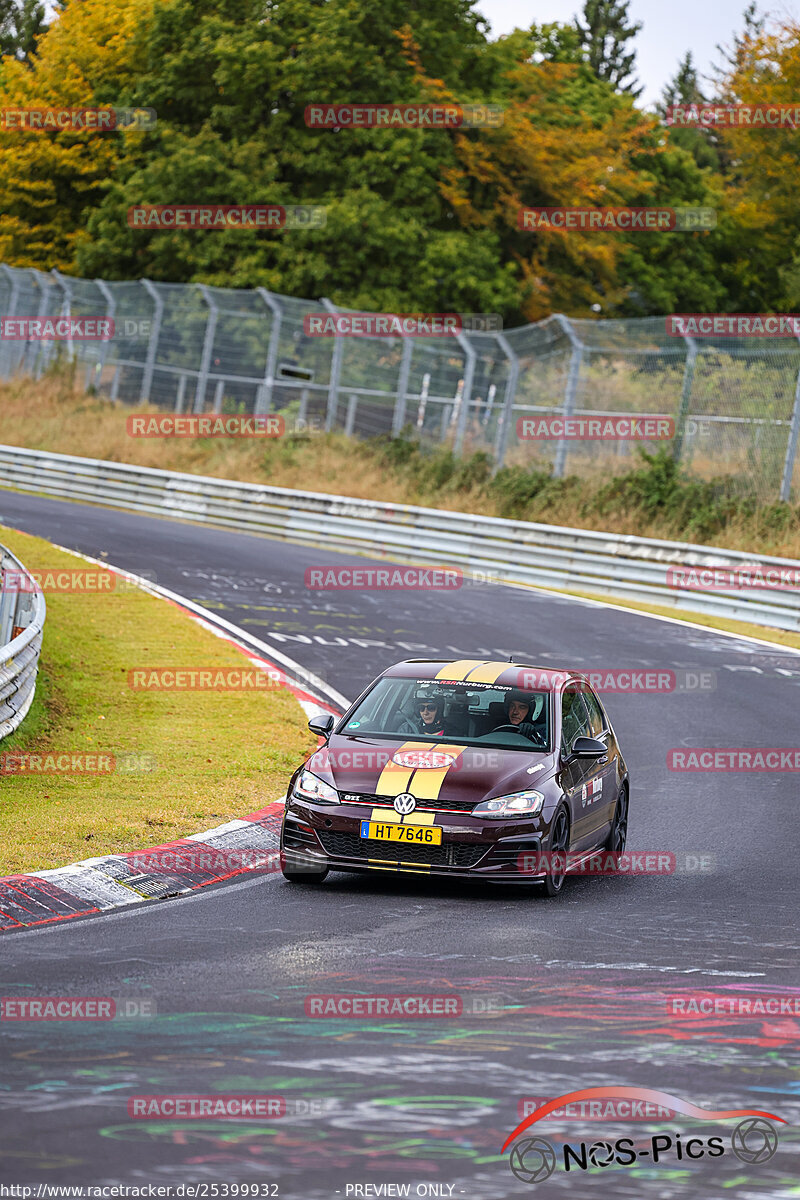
(471, 848)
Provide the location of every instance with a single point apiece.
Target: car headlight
(518, 804)
(310, 787)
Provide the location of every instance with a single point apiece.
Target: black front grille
(298, 839)
(379, 801)
(449, 854)
(515, 854)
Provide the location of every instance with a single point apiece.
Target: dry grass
(52, 415)
(217, 755)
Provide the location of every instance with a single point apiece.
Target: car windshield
(464, 713)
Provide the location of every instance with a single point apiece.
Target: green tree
(231, 88)
(606, 32)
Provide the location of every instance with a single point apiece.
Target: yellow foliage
(49, 181)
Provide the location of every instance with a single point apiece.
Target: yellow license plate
(426, 835)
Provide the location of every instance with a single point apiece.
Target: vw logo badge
(404, 804)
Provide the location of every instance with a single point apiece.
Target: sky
(670, 28)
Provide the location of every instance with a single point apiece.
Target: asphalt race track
(564, 994)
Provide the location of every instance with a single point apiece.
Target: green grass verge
(218, 755)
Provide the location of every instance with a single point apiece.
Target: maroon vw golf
(482, 770)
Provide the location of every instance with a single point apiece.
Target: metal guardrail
(506, 551)
(22, 615)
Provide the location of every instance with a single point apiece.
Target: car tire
(559, 844)
(618, 834)
(296, 870)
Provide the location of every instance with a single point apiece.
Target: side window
(597, 721)
(574, 719)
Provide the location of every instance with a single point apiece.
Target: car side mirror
(322, 725)
(589, 747)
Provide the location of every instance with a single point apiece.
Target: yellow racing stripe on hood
(427, 782)
(395, 779)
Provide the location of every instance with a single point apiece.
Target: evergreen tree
(684, 90)
(605, 35)
(21, 22)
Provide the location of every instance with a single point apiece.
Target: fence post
(507, 412)
(399, 415)
(152, 345)
(208, 347)
(111, 308)
(39, 358)
(423, 399)
(466, 391)
(791, 445)
(686, 395)
(66, 309)
(8, 601)
(264, 394)
(350, 419)
(12, 309)
(570, 392)
(336, 368)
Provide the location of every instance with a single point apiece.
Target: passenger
(429, 720)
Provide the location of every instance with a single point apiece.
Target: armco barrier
(507, 551)
(22, 615)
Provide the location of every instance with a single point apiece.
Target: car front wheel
(557, 861)
(618, 834)
(301, 870)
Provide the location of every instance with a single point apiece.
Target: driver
(521, 711)
(429, 719)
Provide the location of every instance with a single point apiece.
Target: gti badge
(404, 804)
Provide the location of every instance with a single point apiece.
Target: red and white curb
(246, 846)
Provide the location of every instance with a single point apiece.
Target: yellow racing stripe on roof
(487, 672)
(461, 668)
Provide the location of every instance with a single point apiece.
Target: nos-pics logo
(534, 1159)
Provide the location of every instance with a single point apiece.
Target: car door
(600, 775)
(575, 723)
